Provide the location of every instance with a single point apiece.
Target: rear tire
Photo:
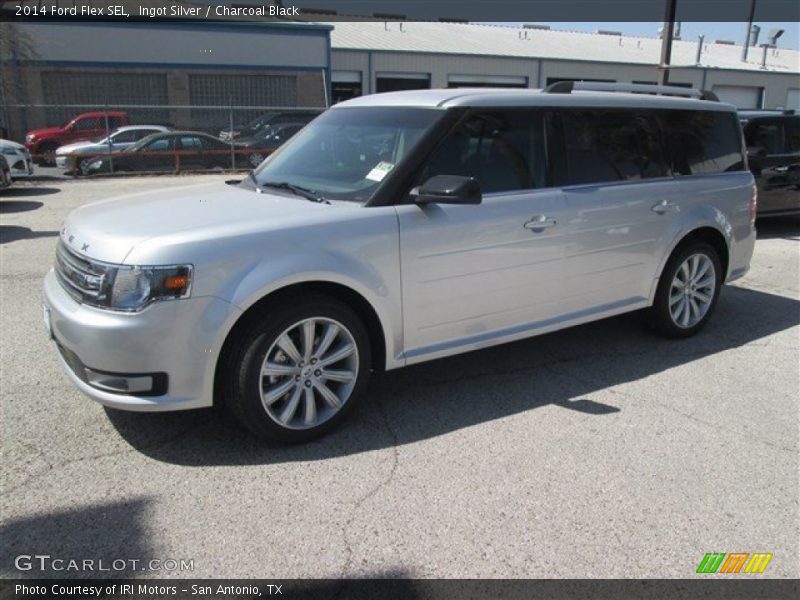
(687, 291)
(297, 369)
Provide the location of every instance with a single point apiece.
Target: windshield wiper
(297, 190)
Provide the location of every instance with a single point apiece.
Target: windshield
(345, 153)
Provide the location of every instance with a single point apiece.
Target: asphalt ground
(602, 451)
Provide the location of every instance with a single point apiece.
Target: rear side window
(88, 123)
(125, 137)
(502, 149)
(190, 143)
(603, 146)
(766, 135)
(703, 142)
(138, 134)
(793, 135)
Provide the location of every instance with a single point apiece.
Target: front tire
(296, 370)
(688, 290)
(47, 155)
(83, 166)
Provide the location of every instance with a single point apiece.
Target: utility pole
(666, 41)
(749, 30)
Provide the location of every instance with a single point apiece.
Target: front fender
(269, 276)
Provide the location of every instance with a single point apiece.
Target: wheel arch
(347, 295)
(706, 233)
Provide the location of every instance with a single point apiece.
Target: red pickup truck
(42, 143)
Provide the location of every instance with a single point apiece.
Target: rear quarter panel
(721, 202)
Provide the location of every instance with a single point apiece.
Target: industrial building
(52, 70)
(370, 57)
(188, 72)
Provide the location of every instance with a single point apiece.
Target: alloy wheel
(692, 291)
(309, 373)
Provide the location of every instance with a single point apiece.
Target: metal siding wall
(776, 85)
(170, 45)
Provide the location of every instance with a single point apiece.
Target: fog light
(119, 383)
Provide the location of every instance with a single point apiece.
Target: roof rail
(567, 87)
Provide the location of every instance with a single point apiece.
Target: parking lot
(602, 451)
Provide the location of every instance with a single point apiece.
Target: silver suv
(399, 228)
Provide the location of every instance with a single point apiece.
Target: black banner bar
(381, 10)
(407, 589)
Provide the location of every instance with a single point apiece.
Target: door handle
(663, 207)
(539, 223)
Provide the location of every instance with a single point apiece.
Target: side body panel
(614, 241)
(471, 273)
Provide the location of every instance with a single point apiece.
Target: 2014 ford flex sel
(399, 228)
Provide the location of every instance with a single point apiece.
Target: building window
(396, 82)
(104, 89)
(223, 91)
(346, 85)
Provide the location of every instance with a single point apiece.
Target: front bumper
(180, 339)
(19, 166)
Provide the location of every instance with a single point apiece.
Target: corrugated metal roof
(499, 40)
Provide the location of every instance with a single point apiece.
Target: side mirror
(448, 189)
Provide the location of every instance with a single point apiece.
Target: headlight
(119, 287)
(29, 138)
(134, 288)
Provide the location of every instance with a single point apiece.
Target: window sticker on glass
(380, 171)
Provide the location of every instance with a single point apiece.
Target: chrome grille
(82, 280)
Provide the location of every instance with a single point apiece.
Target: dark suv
(773, 150)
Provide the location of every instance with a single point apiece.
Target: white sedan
(18, 159)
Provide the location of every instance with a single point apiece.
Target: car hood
(45, 131)
(108, 230)
(11, 144)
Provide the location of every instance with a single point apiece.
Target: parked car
(42, 143)
(746, 115)
(268, 119)
(18, 159)
(5, 173)
(82, 154)
(399, 228)
(773, 149)
(266, 141)
(156, 152)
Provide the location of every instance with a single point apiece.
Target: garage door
(509, 81)
(793, 99)
(740, 96)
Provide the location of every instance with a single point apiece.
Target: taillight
(754, 204)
